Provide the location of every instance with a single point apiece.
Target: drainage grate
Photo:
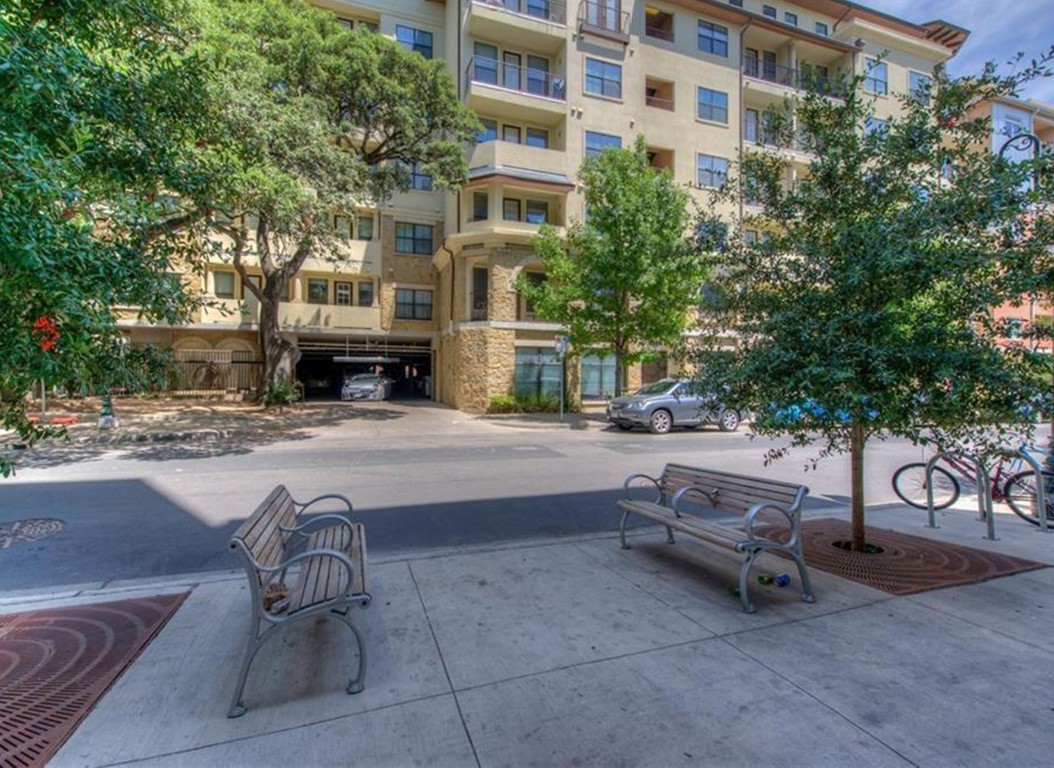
(905, 565)
(58, 662)
(21, 531)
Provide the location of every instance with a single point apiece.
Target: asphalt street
(421, 477)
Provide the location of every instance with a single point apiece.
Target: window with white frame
(712, 105)
(598, 142)
(821, 28)
(711, 171)
(768, 11)
(713, 38)
(414, 40)
(876, 78)
(790, 18)
(919, 86)
(342, 294)
(603, 78)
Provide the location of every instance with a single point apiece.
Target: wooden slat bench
(683, 495)
(313, 567)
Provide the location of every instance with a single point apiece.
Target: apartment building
(1010, 118)
(427, 289)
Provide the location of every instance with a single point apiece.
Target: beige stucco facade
(553, 82)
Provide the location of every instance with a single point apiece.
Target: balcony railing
(658, 33)
(659, 102)
(479, 307)
(549, 10)
(515, 78)
(604, 18)
(800, 79)
(758, 133)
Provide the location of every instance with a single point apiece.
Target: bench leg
(744, 579)
(255, 641)
(669, 535)
(356, 684)
(622, 530)
(806, 584)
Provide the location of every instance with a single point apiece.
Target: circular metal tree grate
(22, 531)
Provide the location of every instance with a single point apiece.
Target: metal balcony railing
(604, 18)
(549, 10)
(800, 79)
(755, 132)
(659, 33)
(479, 307)
(516, 78)
(658, 102)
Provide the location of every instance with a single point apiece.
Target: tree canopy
(625, 279)
(101, 109)
(862, 306)
(315, 120)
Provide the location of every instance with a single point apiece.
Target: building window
(489, 132)
(317, 290)
(603, 78)
(598, 142)
(713, 105)
(413, 304)
(919, 87)
(365, 227)
(821, 28)
(1015, 327)
(713, 38)
(658, 24)
(511, 134)
(873, 126)
(413, 238)
(342, 226)
(736, 3)
(480, 282)
(750, 237)
(510, 209)
(527, 311)
(485, 63)
(223, 285)
(790, 18)
(537, 211)
(419, 180)
(712, 171)
(480, 206)
(538, 137)
(768, 11)
(366, 293)
(414, 40)
(876, 79)
(342, 294)
(598, 376)
(537, 372)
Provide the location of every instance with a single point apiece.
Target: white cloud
(999, 29)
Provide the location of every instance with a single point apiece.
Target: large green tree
(316, 121)
(100, 111)
(626, 279)
(864, 309)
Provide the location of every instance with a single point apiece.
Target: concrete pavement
(574, 652)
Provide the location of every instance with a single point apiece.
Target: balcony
(540, 25)
(521, 93)
(480, 305)
(799, 79)
(604, 19)
(658, 94)
(293, 314)
(509, 157)
(658, 24)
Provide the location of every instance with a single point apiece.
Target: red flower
(46, 332)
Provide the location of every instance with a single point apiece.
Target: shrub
(538, 403)
(503, 404)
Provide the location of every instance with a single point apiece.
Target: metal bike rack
(985, 510)
(1041, 492)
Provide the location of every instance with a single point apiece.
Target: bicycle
(1011, 483)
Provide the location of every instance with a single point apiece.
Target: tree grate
(22, 531)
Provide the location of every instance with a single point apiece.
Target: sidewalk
(574, 652)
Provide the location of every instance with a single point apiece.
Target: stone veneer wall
(409, 270)
(484, 368)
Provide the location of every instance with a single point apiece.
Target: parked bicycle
(1012, 481)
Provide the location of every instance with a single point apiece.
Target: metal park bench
(685, 494)
(299, 570)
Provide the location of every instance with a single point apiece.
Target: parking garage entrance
(323, 366)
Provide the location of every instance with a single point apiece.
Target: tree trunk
(620, 376)
(857, 442)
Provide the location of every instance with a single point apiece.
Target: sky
(998, 30)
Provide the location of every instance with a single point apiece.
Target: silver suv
(671, 403)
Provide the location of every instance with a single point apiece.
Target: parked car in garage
(366, 386)
(672, 403)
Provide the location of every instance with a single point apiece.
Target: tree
(101, 108)
(627, 277)
(317, 120)
(864, 311)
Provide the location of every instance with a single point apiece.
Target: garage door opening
(323, 369)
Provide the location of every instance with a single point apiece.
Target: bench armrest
(333, 518)
(675, 503)
(304, 505)
(754, 511)
(649, 478)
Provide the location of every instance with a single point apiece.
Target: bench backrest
(261, 536)
(729, 491)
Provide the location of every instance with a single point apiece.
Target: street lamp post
(1025, 142)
